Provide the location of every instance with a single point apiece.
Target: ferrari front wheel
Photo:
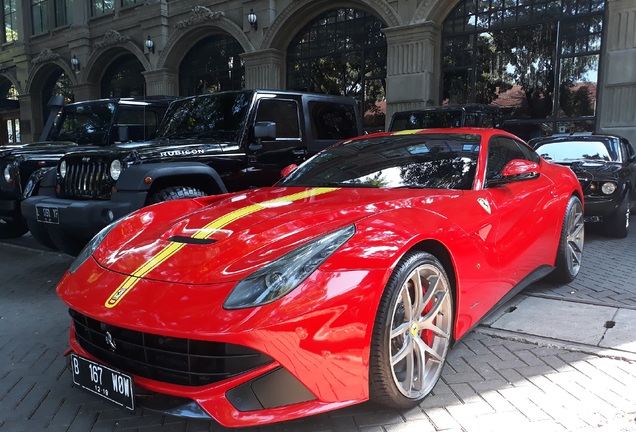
(570, 251)
(412, 332)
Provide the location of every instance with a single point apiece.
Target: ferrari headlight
(91, 247)
(276, 279)
(63, 169)
(608, 188)
(115, 169)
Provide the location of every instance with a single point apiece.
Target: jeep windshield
(218, 117)
(84, 123)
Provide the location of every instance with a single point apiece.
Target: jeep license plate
(47, 214)
(108, 383)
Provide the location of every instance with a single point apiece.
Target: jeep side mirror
(263, 130)
(122, 133)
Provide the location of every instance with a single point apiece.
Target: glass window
(63, 12)
(40, 16)
(536, 59)
(101, 7)
(333, 121)
(10, 20)
(126, 3)
(342, 51)
(502, 150)
(214, 64)
(141, 125)
(282, 112)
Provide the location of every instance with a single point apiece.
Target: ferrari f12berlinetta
(349, 280)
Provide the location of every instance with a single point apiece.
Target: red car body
(168, 269)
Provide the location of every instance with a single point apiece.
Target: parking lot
(556, 358)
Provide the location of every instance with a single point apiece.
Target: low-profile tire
(570, 251)
(41, 234)
(618, 225)
(175, 192)
(412, 332)
(12, 229)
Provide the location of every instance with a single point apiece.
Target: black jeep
(207, 144)
(95, 123)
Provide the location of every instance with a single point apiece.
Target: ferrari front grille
(86, 180)
(186, 362)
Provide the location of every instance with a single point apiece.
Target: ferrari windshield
(218, 116)
(573, 151)
(440, 161)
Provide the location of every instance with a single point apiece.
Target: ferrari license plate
(47, 214)
(108, 383)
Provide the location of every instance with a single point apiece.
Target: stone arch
(434, 10)
(105, 55)
(293, 18)
(40, 72)
(12, 81)
(186, 36)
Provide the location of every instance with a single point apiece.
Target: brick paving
(493, 381)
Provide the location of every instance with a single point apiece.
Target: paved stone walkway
(495, 379)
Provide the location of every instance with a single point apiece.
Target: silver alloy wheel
(575, 237)
(420, 331)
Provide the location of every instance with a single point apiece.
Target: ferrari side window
(501, 150)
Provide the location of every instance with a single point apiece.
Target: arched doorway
(213, 64)
(537, 59)
(342, 51)
(123, 78)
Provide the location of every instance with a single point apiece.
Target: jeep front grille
(88, 180)
(186, 362)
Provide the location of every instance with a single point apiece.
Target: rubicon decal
(203, 233)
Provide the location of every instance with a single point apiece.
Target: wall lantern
(251, 18)
(75, 63)
(150, 45)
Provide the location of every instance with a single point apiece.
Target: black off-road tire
(173, 193)
(394, 332)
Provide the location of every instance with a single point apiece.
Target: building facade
(552, 66)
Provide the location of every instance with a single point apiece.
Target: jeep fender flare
(133, 178)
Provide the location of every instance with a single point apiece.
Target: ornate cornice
(198, 15)
(46, 55)
(112, 37)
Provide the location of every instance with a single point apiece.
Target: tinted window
(282, 112)
(440, 161)
(141, 124)
(333, 121)
(502, 150)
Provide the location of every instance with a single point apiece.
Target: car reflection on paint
(347, 281)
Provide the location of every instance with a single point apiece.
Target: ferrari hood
(229, 238)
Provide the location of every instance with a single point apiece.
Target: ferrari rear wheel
(412, 332)
(570, 252)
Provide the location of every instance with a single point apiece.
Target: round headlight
(63, 169)
(7, 173)
(115, 169)
(608, 188)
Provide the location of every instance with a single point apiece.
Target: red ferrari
(347, 281)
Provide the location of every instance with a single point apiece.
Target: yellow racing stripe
(205, 232)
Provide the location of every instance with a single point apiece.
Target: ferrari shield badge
(484, 203)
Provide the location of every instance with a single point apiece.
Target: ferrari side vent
(186, 362)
